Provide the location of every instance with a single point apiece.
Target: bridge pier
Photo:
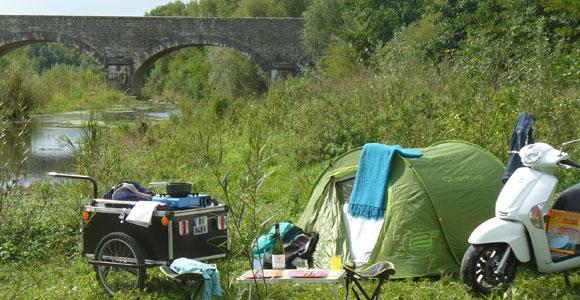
(119, 73)
(282, 70)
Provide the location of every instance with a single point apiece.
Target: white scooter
(518, 231)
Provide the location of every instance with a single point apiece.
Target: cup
(257, 263)
(335, 263)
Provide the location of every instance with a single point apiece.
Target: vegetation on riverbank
(456, 70)
(49, 78)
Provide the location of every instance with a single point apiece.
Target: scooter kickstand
(567, 279)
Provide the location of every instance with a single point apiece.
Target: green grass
(74, 278)
(64, 88)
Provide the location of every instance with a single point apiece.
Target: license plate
(200, 225)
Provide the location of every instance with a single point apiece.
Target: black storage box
(197, 233)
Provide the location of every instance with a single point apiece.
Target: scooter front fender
(497, 230)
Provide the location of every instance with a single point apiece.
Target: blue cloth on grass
(211, 275)
(368, 193)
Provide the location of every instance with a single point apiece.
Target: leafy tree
(323, 24)
(183, 72)
(369, 23)
(260, 8)
(176, 8)
(455, 18)
(294, 8)
(212, 8)
(509, 40)
(201, 8)
(233, 75)
(459, 17)
(564, 18)
(44, 56)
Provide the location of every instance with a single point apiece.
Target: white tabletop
(333, 277)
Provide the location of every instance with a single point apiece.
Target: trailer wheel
(119, 248)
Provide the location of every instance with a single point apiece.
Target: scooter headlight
(530, 155)
(535, 216)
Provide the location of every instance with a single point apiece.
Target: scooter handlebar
(569, 162)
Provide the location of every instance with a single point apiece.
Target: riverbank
(60, 89)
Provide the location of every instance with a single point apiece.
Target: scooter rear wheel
(479, 265)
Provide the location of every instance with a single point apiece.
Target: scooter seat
(569, 200)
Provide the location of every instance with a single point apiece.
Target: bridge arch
(146, 60)
(20, 39)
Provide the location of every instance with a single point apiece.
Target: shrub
(16, 95)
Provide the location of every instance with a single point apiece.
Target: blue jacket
(521, 136)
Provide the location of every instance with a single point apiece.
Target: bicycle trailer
(121, 251)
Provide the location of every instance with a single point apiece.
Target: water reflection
(44, 137)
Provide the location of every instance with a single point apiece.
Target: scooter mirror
(567, 143)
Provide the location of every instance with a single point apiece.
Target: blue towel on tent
(210, 274)
(368, 194)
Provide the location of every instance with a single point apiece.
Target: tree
(370, 23)
(564, 18)
(176, 8)
(233, 75)
(323, 24)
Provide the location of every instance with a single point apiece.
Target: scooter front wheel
(480, 264)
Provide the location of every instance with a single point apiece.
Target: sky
(79, 7)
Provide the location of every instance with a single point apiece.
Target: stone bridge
(126, 47)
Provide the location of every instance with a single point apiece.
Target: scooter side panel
(523, 183)
(496, 230)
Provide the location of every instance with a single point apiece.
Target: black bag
(303, 246)
(264, 243)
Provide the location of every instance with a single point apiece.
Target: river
(43, 147)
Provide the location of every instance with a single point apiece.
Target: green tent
(433, 203)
